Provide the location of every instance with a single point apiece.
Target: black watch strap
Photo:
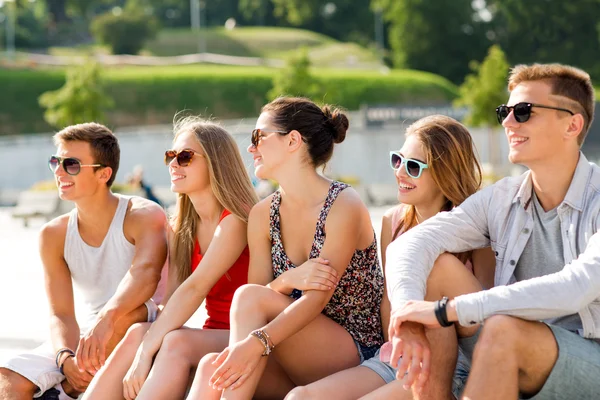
(440, 312)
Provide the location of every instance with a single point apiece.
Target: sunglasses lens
(169, 156)
(522, 112)
(184, 158)
(413, 169)
(254, 137)
(395, 161)
(71, 166)
(53, 163)
(502, 112)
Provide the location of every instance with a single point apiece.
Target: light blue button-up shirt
(500, 216)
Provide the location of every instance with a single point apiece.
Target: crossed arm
(344, 223)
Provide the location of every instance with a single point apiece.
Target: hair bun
(337, 121)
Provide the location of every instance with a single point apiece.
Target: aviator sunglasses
(72, 166)
(522, 111)
(184, 157)
(414, 168)
(258, 134)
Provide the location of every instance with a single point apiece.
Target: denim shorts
(576, 373)
(364, 352)
(388, 373)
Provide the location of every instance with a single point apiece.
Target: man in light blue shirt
(541, 321)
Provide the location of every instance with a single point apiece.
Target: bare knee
(206, 367)
(499, 337)
(174, 345)
(300, 393)
(135, 334)
(13, 383)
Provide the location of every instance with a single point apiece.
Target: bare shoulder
(233, 222)
(261, 210)
(52, 238)
(144, 212)
(349, 203)
(54, 232)
(389, 213)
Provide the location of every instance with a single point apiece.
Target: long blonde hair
(452, 161)
(229, 182)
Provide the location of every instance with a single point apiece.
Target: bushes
(125, 32)
(152, 95)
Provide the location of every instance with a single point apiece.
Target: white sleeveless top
(97, 271)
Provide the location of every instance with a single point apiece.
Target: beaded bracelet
(265, 339)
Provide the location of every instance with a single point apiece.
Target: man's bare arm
(144, 226)
(64, 330)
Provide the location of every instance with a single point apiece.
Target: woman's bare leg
(180, 352)
(108, 382)
(320, 349)
(344, 385)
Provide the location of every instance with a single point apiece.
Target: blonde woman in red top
(208, 261)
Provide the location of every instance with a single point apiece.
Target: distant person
(312, 308)
(436, 170)
(208, 261)
(103, 259)
(136, 180)
(540, 336)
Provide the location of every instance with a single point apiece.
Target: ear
(294, 140)
(575, 126)
(105, 173)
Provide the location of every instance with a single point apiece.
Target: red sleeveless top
(218, 300)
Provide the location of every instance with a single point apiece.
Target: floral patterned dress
(355, 303)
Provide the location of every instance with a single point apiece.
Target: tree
(296, 79)
(124, 32)
(483, 91)
(548, 31)
(439, 36)
(81, 99)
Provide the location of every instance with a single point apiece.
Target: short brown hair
(570, 82)
(104, 144)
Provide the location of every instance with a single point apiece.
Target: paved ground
(24, 308)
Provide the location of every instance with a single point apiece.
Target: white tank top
(97, 271)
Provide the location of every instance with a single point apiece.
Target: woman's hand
(136, 376)
(314, 274)
(236, 363)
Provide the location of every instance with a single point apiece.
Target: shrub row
(152, 95)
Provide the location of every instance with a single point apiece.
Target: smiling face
(420, 191)
(544, 134)
(269, 154)
(194, 177)
(89, 179)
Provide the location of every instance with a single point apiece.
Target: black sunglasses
(184, 157)
(72, 166)
(522, 111)
(258, 134)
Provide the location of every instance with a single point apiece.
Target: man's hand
(411, 347)
(415, 311)
(91, 352)
(79, 380)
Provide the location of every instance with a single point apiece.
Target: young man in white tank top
(110, 249)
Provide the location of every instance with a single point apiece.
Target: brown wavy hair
(229, 182)
(453, 165)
